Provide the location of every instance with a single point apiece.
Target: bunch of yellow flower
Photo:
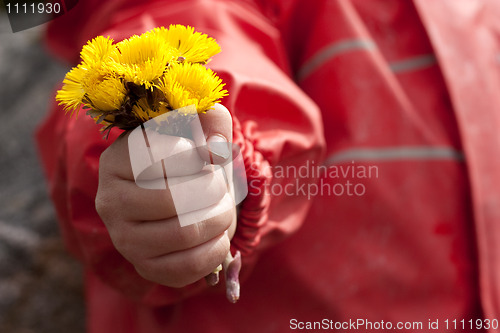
(130, 82)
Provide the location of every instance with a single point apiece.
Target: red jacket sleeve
(275, 124)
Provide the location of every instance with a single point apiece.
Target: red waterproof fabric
(406, 91)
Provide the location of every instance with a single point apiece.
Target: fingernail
(218, 145)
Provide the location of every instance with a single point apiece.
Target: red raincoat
(404, 95)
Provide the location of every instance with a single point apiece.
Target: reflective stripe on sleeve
(395, 154)
(331, 51)
(414, 63)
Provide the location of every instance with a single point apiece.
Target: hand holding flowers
(132, 82)
(143, 223)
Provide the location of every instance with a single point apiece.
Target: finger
(156, 238)
(130, 154)
(181, 268)
(122, 200)
(213, 144)
(179, 154)
(194, 192)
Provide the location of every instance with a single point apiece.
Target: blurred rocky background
(40, 284)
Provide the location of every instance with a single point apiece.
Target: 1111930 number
(40, 8)
(472, 324)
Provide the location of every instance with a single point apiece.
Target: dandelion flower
(143, 59)
(143, 77)
(90, 74)
(106, 94)
(97, 51)
(186, 84)
(144, 112)
(72, 92)
(191, 46)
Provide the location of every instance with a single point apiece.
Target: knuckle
(226, 218)
(220, 179)
(202, 265)
(151, 272)
(179, 283)
(199, 232)
(103, 206)
(118, 238)
(222, 248)
(112, 203)
(223, 221)
(122, 242)
(100, 203)
(215, 185)
(146, 271)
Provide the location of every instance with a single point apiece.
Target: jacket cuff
(253, 213)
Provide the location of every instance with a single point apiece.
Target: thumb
(214, 142)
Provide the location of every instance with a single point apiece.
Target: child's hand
(143, 223)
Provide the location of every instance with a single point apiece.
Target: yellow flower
(98, 50)
(142, 111)
(103, 93)
(143, 77)
(72, 92)
(191, 46)
(93, 87)
(186, 84)
(142, 59)
(83, 81)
